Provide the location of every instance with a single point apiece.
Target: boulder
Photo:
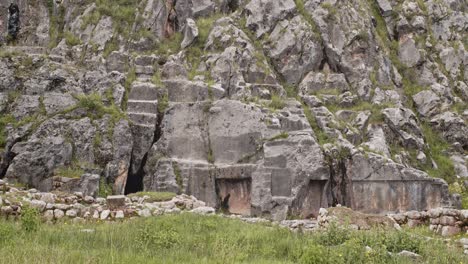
(427, 102)
(408, 52)
(385, 7)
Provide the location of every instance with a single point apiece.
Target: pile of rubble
(77, 207)
(444, 221)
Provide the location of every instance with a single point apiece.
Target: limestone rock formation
(256, 107)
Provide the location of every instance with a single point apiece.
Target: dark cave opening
(135, 180)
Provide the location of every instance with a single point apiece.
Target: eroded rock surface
(256, 107)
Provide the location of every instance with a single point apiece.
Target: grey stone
(105, 214)
(452, 127)
(409, 254)
(294, 39)
(190, 33)
(203, 210)
(58, 214)
(119, 214)
(144, 212)
(40, 205)
(450, 230)
(385, 7)
(262, 15)
(48, 197)
(408, 52)
(71, 213)
(427, 103)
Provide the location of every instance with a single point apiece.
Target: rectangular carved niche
(234, 195)
(309, 199)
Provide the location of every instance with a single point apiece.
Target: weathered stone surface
(264, 14)
(201, 119)
(190, 33)
(116, 201)
(385, 7)
(295, 49)
(403, 123)
(427, 103)
(452, 127)
(408, 52)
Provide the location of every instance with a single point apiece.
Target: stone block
(450, 230)
(116, 201)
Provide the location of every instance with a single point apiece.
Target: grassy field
(189, 238)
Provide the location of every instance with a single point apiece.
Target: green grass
(437, 151)
(154, 196)
(188, 238)
(69, 172)
(71, 39)
(277, 102)
(4, 121)
(282, 135)
(95, 107)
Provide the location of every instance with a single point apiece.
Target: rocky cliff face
(256, 107)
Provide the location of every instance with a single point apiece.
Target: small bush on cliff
(71, 39)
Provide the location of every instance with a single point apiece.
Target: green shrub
(30, 220)
(334, 235)
(437, 151)
(313, 254)
(157, 236)
(398, 241)
(105, 188)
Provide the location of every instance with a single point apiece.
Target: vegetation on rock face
(188, 238)
(69, 172)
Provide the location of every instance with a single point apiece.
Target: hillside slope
(264, 107)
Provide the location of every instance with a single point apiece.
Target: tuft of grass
(163, 103)
(277, 102)
(5, 120)
(69, 172)
(321, 136)
(71, 39)
(282, 135)
(210, 157)
(95, 108)
(178, 175)
(438, 151)
(154, 196)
